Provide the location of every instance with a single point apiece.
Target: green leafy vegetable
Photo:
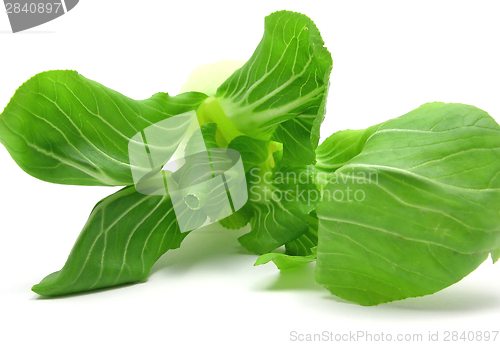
(63, 128)
(286, 262)
(125, 234)
(401, 209)
(282, 88)
(303, 245)
(281, 198)
(253, 152)
(429, 214)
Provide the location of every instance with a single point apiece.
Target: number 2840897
(34, 7)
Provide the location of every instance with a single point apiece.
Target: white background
(389, 58)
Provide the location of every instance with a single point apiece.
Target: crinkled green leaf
(125, 234)
(253, 152)
(340, 147)
(303, 245)
(286, 262)
(280, 92)
(300, 137)
(238, 219)
(419, 209)
(280, 199)
(64, 128)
